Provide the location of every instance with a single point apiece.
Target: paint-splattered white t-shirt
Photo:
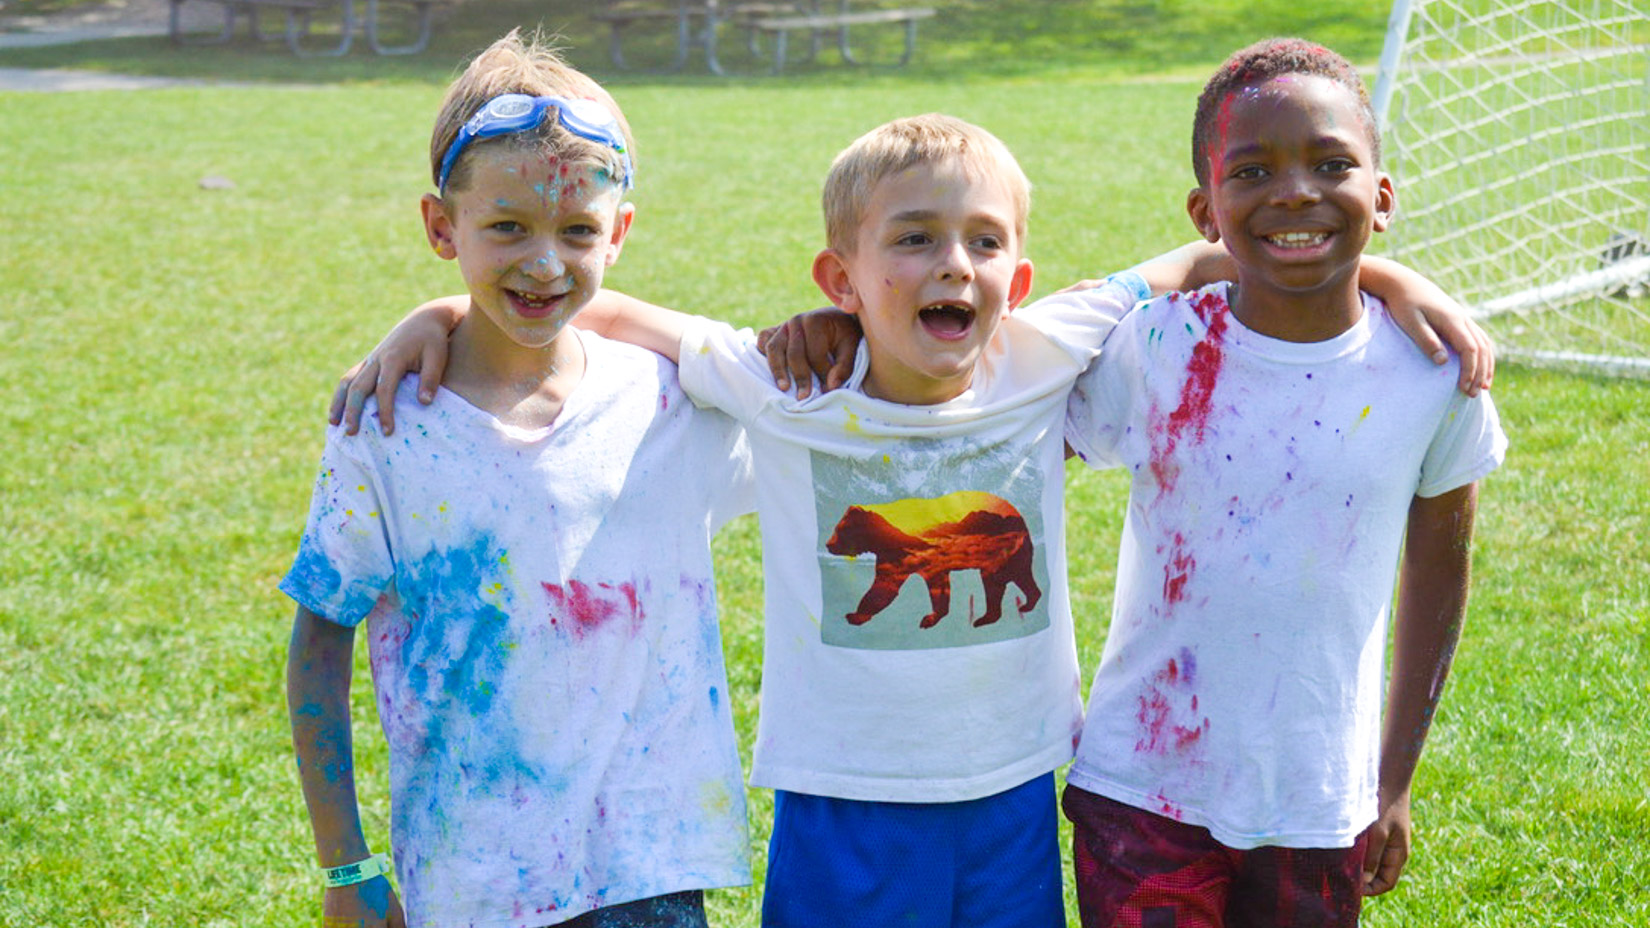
(542, 623)
(1241, 686)
(918, 633)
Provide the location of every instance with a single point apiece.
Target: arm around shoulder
(1431, 318)
(417, 343)
(624, 318)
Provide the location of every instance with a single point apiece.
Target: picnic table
(300, 17)
(697, 23)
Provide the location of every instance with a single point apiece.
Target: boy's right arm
(417, 343)
(420, 342)
(318, 668)
(1192, 265)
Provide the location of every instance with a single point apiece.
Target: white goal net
(1518, 134)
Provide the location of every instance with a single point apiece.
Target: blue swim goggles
(518, 112)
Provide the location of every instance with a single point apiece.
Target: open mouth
(947, 320)
(534, 305)
(1297, 241)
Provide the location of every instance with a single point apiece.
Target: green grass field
(169, 350)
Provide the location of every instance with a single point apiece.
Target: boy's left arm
(1432, 601)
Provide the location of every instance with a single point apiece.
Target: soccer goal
(1518, 133)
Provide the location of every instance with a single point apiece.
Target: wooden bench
(815, 23)
(694, 22)
(299, 14)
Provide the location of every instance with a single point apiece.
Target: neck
(520, 385)
(1312, 316)
(913, 391)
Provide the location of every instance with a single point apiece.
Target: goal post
(1518, 135)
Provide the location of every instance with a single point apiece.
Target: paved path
(29, 79)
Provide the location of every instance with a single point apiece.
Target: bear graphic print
(908, 565)
(932, 538)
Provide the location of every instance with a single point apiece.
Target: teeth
(1298, 239)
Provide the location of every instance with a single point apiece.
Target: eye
(1337, 165)
(913, 239)
(581, 230)
(1248, 172)
(507, 227)
(989, 242)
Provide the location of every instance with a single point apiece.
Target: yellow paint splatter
(714, 798)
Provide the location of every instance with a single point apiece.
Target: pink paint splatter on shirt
(1177, 570)
(1191, 418)
(1167, 717)
(1167, 807)
(584, 608)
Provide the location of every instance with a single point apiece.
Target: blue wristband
(1134, 282)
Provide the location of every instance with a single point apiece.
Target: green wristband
(358, 872)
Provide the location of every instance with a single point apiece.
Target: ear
(1020, 286)
(1201, 208)
(438, 226)
(831, 274)
(1386, 201)
(621, 228)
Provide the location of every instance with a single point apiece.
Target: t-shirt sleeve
(736, 494)
(1468, 445)
(1079, 321)
(1097, 410)
(721, 369)
(344, 563)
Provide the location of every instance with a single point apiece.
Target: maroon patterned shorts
(1136, 869)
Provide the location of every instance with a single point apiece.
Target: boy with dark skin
(1283, 444)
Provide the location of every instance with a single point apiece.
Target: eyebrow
(915, 215)
(927, 215)
(1322, 141)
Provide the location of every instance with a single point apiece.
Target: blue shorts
(984, 863)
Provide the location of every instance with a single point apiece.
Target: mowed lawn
(169, 348)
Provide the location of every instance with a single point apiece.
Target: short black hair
(1261, 62)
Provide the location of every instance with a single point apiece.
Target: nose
(1296, 187)
(546, 267)
(954, 262)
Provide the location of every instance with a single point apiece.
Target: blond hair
(905, 143)
(530, 66)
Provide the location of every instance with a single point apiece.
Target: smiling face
(1294, 192)
(935, 266)
(533, 235)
